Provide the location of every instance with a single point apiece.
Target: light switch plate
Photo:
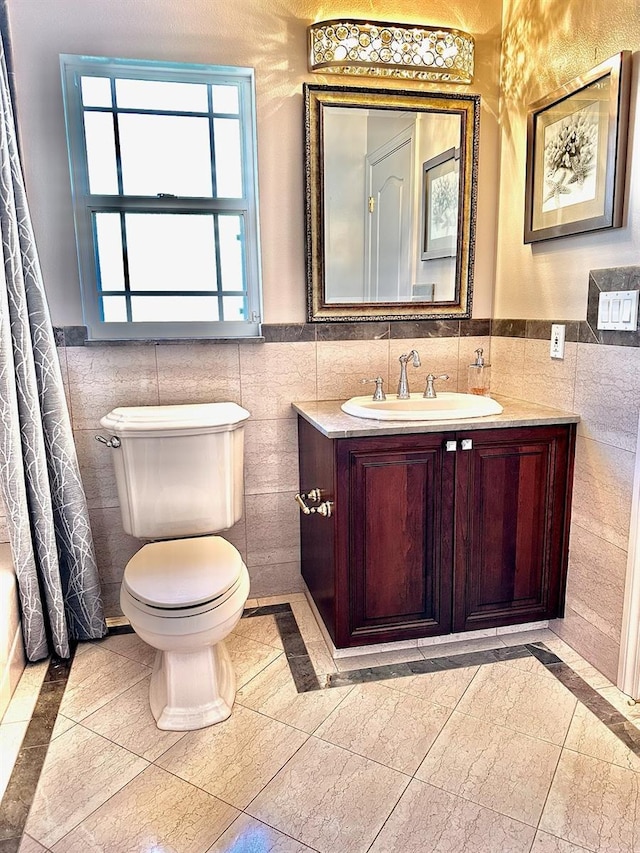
(557, 340)
(618, 309)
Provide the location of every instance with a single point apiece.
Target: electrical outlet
(557, 340)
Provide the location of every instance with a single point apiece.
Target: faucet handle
(413, 356)
(430, 391)
(378, 394)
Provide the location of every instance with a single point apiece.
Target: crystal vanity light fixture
(347, 46)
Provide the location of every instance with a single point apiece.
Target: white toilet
(179, 473)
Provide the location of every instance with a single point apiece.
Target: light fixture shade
(348, 46)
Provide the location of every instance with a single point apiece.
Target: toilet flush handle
(113, 442)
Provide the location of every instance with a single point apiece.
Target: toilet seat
(183, 577)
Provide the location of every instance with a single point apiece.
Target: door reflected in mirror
(390, 204)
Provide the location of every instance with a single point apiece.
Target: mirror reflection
(389, 203)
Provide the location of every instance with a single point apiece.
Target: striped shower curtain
(45, 503)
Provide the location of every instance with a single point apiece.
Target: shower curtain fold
(45, 503)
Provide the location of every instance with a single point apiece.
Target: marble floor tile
(594, 804)
(273, 693)
(591, 675)
(30, 845)
(235, 759)
(11, 736)
(249, 657)
(588, 735)
(323, 662)
(623, 703)
(495, 767)
(156, 811)
(530, 704)
(261, 629)
(61, 725)
(530, 664)
(383, 724)
(129, 646)
(127, 720)
(25, 695)
(429, 819)
(247, 835)
(96, 677)
(329, 798)
(82, 771)
(443, 688)
(545, 843)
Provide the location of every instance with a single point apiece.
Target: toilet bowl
(179, 478)
(183, 597)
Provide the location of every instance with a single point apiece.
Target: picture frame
(576, 154)
(440, 205)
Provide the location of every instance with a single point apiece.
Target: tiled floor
(503, 756)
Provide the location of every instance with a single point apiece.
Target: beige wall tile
(594, 804)
(111, 599)
(114, 547)
(276, 578)
(96, 468)
(549, 381)
(596, 581)
(271, 456)
(198, 373)
(343, 364)
(599, 649)
(273, 524)
(437, 356)
(273, 375)
(101, 378)
(507, 366)
(237, 535)
(607, 382)
(602, 490)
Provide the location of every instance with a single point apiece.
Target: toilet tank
(179, 469)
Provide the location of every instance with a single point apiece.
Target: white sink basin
(446, 406)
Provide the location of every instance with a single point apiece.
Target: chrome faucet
(430, 391)
(403, 383)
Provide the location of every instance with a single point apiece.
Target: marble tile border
(21, 788)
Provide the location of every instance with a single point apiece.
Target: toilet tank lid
(182, 572)
(125, 420)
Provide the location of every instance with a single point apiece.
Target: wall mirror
(390, 189)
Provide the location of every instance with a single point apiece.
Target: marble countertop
(327, 417)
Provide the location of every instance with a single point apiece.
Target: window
(164, 185)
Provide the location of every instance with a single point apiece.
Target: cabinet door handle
(451, 446)
(467, 444)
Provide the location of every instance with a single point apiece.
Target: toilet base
(192, 689)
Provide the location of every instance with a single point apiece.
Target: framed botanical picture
(576, 152)
(440, 192)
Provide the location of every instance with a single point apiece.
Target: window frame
(85, 204)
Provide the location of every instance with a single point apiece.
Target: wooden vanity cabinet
(425, 540)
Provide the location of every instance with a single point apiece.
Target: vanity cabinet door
(512, 516)
(400, 529)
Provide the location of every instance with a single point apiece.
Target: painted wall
(269, 35)
(547, 43)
